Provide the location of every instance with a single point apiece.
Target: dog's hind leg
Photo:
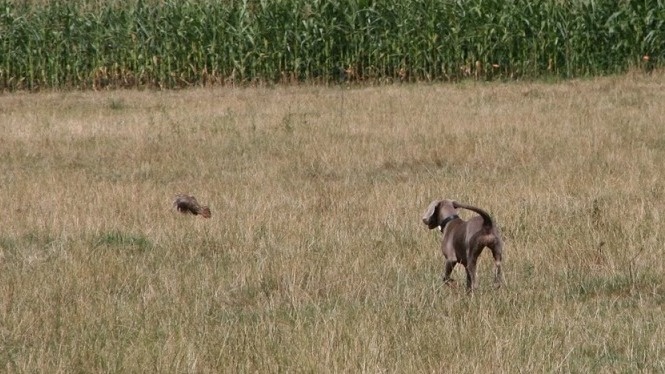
(474, 254)
(471, 274)
(497, 253)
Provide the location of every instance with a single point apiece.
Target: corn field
(172, 43)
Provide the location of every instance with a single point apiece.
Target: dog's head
(437, 211)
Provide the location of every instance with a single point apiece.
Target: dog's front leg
(449, 266)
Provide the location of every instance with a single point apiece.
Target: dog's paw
(450, 283)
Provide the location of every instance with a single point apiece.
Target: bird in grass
(188, 204)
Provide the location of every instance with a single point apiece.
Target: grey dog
(464, 241)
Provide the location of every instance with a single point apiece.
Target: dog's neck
(446, 221)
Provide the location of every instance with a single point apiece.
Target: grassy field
(315, 258)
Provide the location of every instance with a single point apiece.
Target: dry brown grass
(315, 258)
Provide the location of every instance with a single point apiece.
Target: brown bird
(188, 204)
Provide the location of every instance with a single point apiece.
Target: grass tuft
(117, 239)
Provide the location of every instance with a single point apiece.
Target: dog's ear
(430, 218)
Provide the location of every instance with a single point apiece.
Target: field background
(315, 258)
(183, 43)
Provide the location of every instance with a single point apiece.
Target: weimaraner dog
(464, 241)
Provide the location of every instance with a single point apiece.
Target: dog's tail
(487, 219)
